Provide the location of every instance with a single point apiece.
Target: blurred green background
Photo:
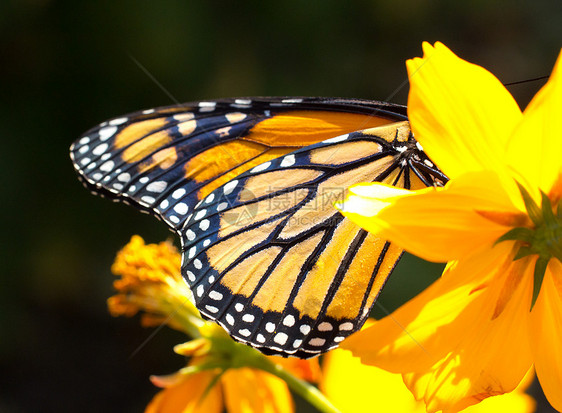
(68, 65)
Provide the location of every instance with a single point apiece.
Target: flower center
(544, 239)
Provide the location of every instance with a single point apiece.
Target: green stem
(304, 389)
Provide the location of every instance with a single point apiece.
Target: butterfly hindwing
(269, 257)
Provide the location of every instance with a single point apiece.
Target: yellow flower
(151, 282)
(220, 373)
(239, 390)
(355, 387)
(497, 309)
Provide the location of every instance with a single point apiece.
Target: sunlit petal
(446, 341)
(188, 396)
(437, 225)
(535, 149)
(253, 391)
(547, 335)
(355, 387)
(460, 113)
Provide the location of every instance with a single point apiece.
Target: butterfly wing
(269, 257)
(177, 155)
(249, 185)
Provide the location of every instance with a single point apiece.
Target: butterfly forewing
(177, 155)
(249, 185)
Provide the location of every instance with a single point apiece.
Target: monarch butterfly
(249, 186)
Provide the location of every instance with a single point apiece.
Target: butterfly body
(249, 186)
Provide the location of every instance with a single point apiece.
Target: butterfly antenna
(156, 82)
(526, 81)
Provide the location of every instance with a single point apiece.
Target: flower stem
(304, 389)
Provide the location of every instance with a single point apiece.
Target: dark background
(67, 65)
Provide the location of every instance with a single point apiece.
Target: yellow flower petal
(459, 112)
(447, 343)
(546, 336)
(535, 148)
(435, 224)
(516, 401)
(354, 387)
(252, 391)
(185, 396)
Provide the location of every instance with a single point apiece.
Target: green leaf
(517, 234)
(531, 206)
(547, 213)
(524, 251)
(540, 269)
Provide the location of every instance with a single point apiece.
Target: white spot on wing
(289, 321)
(288, 160)
(107, 166)
(181, 208)
(215, 295)
(157, 186)
(107, 132)
(192, 252)
(200, 214)
(98, 150)
(248, 318)
(148, 199)
(245, 332)
(269, 327)
(124, 177)
(280, 338)
(178, 193)
(229, 319)
(211, 309)
(317, 342)
(347, 326)
(337, 139)
(118, 121)
(325, 326)
(190, 235)
(261, 167)
(229, 187)
(235, 117)
(207, 106)
(190, 276)
(204, 225)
